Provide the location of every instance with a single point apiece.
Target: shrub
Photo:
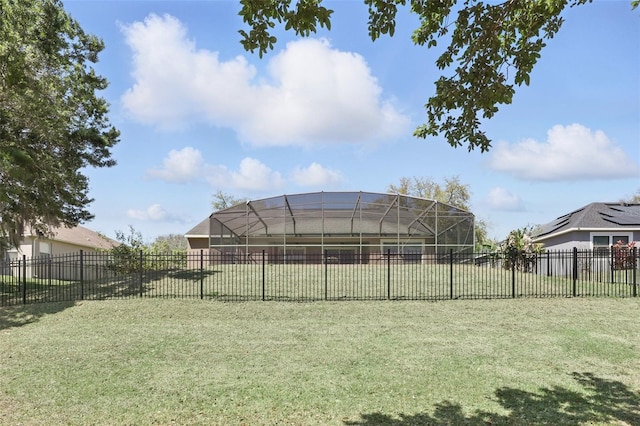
(519, 250)
(624, 255)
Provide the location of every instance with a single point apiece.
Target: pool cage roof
(332, 215)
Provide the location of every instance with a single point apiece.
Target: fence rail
(205, 275)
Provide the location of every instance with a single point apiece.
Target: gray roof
(79, 236)
(200, 230)
(594, 216)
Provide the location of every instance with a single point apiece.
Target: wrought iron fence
(258, 276)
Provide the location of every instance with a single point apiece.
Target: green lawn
(155, 361)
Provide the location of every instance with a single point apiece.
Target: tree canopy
(222, 200)
(492, 47)
(635, 198)
(52, 123)
(452, 192)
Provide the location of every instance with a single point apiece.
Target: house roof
(593, 217)
(200, 230)
(81, 236)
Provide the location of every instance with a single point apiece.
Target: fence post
(24, 278)
(326, 273)
(388, 274)
(575, 271)
(263, 275)
(49, 270)
(201, 274)
(514, 256)
(548, 264)
(450, 273)
(635, 271)
(81, 275)
(612, 260)
(141, 274)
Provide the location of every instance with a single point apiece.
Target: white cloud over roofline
(188, 165)
(316, 176)
(153, 213)
(180, 166)
(251, 176)
(312, 94)
(502, 199)
(572, 152)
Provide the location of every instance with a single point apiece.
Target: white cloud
(180, 166)
(502, 199)
(153, 213)
(189, 165)
(252, 176)
(312, 94)
(316, 175)
(570, 153)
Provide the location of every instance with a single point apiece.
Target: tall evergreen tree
(52, 123)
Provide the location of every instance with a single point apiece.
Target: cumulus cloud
(316, 175)
(153, 213)
(502, 199)
(189, 165)
(312, 93)
(570, 153)
(180, 166)
(251, 176)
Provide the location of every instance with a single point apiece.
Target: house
(38, 251)
(596, 226)
(344, 226)
(61, 241)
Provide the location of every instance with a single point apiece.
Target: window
(601, 245)
(44, 249)
(601, 242)
(624, 239)
(409, 252)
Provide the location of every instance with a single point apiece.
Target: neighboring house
(596, 226)
(61, 241)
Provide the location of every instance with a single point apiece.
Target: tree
(453, 192)
(132, 255)
(492, 48)
(222, 200)
(52, 124)
(633, 199)
(125, 257)
(519, 251)
(170, 243)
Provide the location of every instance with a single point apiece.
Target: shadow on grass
(600, 401)
(17, 316)
(173, 283)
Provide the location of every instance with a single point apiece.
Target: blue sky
(336, 112)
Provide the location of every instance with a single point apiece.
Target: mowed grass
(158, 361)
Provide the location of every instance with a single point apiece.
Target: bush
(624, 255)
(519, 250)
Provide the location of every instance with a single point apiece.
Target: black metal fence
(204, 275)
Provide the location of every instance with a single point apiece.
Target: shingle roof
(594, 216)
(81, 236)
(201, 229)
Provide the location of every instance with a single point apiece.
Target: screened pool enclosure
(337, 227)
